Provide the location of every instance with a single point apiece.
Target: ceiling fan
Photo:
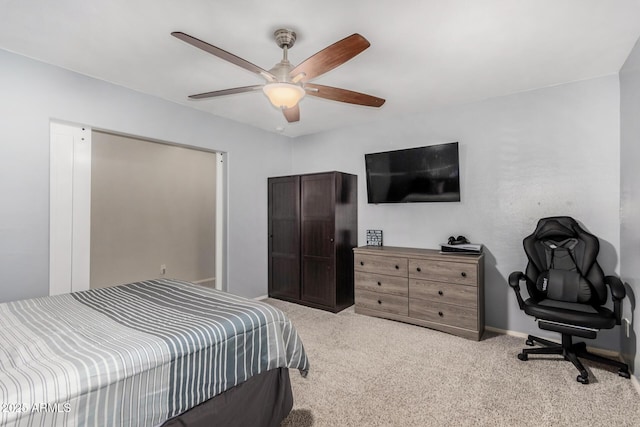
(286, 84)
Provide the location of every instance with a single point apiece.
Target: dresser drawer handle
(463, 274)
(379, 302)
(361, 262)
(397, 267)
(379, 284)
(440, 314)
(440, 293)
(419, 269)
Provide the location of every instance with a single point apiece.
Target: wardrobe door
(284, 237)
(318, 238)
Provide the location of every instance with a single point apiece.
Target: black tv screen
(423, 174)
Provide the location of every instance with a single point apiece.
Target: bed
(146, 354)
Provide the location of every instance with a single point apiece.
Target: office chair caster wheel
(624, 373)
(582, 380)
(523, 356)
(529, 343)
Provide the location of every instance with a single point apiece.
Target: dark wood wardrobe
(313, 228)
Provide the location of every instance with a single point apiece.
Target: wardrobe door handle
(361, 262)
(379, 284)
(440, 314)
(379, 302)
(419, 269)
(463, 274)
(440, 293)
(397, 267)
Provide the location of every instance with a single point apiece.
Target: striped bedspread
(134, 355)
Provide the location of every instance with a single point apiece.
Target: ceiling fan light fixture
(283, 95)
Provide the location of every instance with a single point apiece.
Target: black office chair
(567, 291)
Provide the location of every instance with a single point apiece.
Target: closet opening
(126, 208)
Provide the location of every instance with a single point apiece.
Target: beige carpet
(374, 372)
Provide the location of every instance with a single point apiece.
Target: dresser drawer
(392, 266)
(444, 271)
(452, 315)
(444, 292)
(395, 285)
(388, 303)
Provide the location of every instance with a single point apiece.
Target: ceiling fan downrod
(285, 39)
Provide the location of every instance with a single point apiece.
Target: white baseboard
(506, 332)
(261, 297)
(209, 282)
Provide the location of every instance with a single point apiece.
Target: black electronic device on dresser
(313, 228)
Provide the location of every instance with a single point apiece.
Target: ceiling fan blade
(331, 57)
(223, 54)
(343, 95)
(292, 114)
(226, 92)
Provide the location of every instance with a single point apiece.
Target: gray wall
(546, 152)
(33, 93)
(151, 204)
(553, 151)
(630, 197)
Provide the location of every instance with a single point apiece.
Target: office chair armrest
(617, 288)
(617, 294)
(514, 282)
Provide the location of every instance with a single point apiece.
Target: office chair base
(571, 352)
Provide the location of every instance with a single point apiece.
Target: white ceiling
(424, 54)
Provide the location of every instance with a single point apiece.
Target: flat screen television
(423, 174)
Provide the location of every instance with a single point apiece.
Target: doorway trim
(70, 208)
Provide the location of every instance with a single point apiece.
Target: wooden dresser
(422, 287)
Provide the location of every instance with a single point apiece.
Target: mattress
(135, 354)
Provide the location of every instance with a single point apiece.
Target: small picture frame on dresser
(374, 237)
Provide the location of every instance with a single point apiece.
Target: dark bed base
(262, 401)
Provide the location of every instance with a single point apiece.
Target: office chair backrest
(562, 263)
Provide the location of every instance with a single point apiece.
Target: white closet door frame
(221, 218)
(69, 208)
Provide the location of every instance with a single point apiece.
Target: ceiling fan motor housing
(281, 71)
